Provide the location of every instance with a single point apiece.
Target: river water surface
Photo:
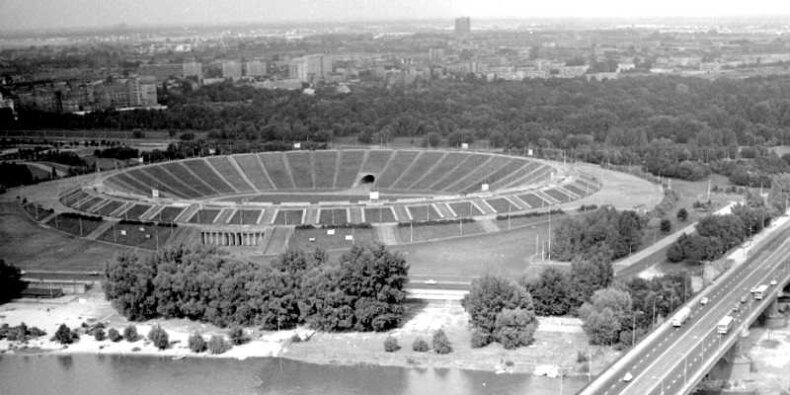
(105, 374)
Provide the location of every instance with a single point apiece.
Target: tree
(11, 284)
(420, 345)
(218, 345)
(550, 293)
(130, 333)
(64, 335)
(159, 337)
(391, 344)
(432, 140)
(515, 328)
(589, 275)
(237, 336)
(114, 336)
(196, 343)
(605, 314)
(488, 296)
(441, 344)
(682, 215)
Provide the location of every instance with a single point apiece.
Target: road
(673, 354)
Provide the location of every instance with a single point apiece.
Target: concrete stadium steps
(229, 173)
(202, 170)
(151, 214)
(184, 173)
(557, 194)
(522, 171)
(355, 215)
(325, 168)
(86, 204)
(99, 230)
(517, 202)
(502, 205)
(550, 200)
(397, 166)
(416, 169)
(387, 234)
(274, 164)
(278, 242)
(442, 172)
(425, 178)
(401, 213)
(375, 161)
(571, 194)
(479, 176)
(444, 210)
(267, 218)
(533, 200)
(252, 169)
(333, 215)
(240, 171)
(172, 182)
(488, 225)
(224, 216)
(300, 167)
(423, 212)
(469, 163)
(187, 213)
(165, 186)
(484, 207)
(107, 209)
(350, 163)
(311, 215)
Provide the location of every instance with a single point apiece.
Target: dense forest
(674, 126)
(362, 290)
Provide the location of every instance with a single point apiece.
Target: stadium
(258, 201)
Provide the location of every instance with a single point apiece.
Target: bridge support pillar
(774, 319)
(741, 363)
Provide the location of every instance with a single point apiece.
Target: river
(103, 374)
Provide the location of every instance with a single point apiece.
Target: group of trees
(362, 290)
(500, 310)
(605, 231)
(11, 284)
(624, 312)
(716, 234)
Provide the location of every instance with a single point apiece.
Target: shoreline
(551, 354)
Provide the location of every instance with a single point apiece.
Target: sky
(54, 14)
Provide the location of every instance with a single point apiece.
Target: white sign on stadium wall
(155, 193)
(297, 145)
(464, 145)
(374, 195)
(484, 187)
(529, 152)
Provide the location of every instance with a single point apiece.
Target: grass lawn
(333, 216)
(423, 213)
(376, 215)
(204, 216)
(168, 214)
(245, 217)
(32, 247)
(75, 226)
(464, 209)
(136, 211)
(289, 217)
(37, 212)
(301, 238)
(109, 207)
(502, 205)
(137, 235)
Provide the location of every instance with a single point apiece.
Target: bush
(218, 345)
(197, 343)
(296, 338)
(581, 356)
(159, 337)
(130, 333)
(391, 344)
(113, 335)
(441, 344)
(237, 335)
(480, 339)
(515, 328)
(99, 335)
(420, 345)
(64, 335)
(666, 225)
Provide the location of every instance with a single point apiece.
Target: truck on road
(759, 292)
(681, 316)
(724, 325)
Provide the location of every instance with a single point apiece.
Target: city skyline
(38, 14)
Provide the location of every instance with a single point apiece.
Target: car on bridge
(704, 300)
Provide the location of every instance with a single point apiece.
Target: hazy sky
(37, 14)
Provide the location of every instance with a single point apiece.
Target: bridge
(674, 360)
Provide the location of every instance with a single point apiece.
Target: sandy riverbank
(554, 351)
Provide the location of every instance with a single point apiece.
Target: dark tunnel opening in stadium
(367, 179)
